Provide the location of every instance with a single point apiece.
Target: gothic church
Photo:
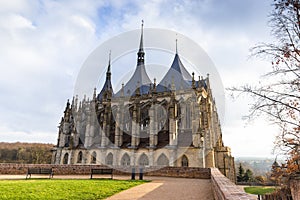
(170, 123)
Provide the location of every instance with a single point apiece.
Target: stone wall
(184, 172)
(223, 188)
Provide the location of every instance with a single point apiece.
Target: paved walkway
(163, 188)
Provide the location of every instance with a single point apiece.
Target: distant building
(172, 123)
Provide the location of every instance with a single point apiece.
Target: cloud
(44, 44)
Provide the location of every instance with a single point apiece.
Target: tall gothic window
(162, 160)
(109, 159)
(79, 157)
(94, 158)
(125, 161)
(144, 161)
(66, 158)
(184, 161)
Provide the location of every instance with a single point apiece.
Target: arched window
(143, 161)
(184, 161)
(79, 157)
(94, 158)
(109, 159)
(162, 160)
(125, 160)
(66, 158)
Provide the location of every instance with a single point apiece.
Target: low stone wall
(223, 188)
(184, 172)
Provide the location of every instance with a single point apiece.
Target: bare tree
(278, 94)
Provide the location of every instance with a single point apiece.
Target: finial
(76, 101)
(109, 61)
(193, 80)
(68, 104)
(95, 90)
(122, 90)
(142, 33)
(176, 44)
(155, 81)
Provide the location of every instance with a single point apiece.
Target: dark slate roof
(176, 73)
(139, 79)
(107, 85)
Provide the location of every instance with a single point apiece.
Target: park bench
(39, 171)
(102, 171)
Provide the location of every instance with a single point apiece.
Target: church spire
(107, 87)
(141, 53)
(176, 44)
(108, 72)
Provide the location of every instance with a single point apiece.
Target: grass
(259, 190)
(63, 189)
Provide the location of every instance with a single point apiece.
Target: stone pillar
(117, 129)
(172, 159)
(108, 123)
(104, 129)
(135, 139)
(87, 131)
(209, 159)
(195, 125)
(151, 157)
(183, 116)
(152, 127)
(134, 127)
(172, 125)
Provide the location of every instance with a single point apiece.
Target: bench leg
(28, 175)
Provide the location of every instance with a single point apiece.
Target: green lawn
(62, 189)
(259, 190)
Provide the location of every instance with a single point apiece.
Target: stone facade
(172, 123)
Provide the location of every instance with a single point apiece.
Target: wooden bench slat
(39, 171)
(102, 171)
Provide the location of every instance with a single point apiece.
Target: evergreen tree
(248, 176)
(241, 173)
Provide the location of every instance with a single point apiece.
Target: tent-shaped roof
(177, 75)
(140, 78)
(107, 87)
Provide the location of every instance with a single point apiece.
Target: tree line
(25, 153)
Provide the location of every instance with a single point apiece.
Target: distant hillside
(259, 166)
(29, 153)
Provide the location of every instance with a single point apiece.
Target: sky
(45, 43)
